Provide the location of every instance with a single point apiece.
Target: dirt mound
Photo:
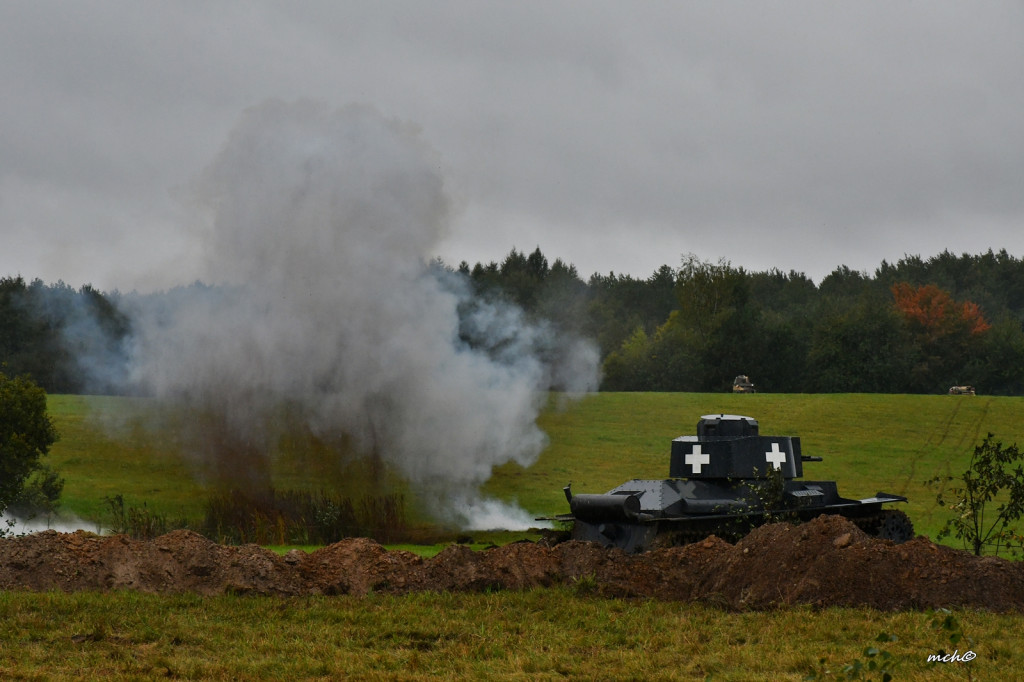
(825, 562)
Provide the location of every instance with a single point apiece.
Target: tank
(725, 480)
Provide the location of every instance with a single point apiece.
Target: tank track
(549, 537)
(678, 537)
(887, 524)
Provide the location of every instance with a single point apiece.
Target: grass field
(129, 446)
(540, 634)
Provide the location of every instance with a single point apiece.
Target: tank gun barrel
(810, 458)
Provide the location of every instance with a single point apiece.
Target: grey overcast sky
(617, 136)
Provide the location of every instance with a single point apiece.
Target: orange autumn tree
(944, 331)
(934, 311)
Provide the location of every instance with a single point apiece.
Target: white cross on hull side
(696, 459)
(775, 457)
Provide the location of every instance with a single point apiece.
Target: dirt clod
(828, 562)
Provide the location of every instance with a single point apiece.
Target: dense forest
(915, 326)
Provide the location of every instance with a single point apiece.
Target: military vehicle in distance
(743, 384)
(724, 481)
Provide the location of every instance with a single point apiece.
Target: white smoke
(319, 228)
(62, 523)
(485, 514)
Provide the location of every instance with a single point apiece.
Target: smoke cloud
(317, 226)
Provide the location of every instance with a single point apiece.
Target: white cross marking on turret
(696, 459)
(775, 456)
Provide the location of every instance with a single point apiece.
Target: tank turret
(724, 480)
(728, 446)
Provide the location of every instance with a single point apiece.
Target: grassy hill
(133, 447)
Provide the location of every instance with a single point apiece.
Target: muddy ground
(824, 562)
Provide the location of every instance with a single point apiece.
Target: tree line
(67, 340)
(914, 326)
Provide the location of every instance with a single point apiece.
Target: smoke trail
(319, 227)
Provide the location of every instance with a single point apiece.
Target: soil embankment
(825, 562)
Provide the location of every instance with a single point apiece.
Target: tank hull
(725, 516)
(653, 533)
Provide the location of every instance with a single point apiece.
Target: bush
(995, 477)
(26, 434)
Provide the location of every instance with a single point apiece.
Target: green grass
(538, 634)
(893, 443)
(118, 446)
(869, 443)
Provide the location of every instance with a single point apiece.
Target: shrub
(995, 477)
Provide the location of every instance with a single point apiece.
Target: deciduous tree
(26, 434)
(944, 333)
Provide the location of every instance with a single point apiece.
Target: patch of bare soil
(825, 562)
